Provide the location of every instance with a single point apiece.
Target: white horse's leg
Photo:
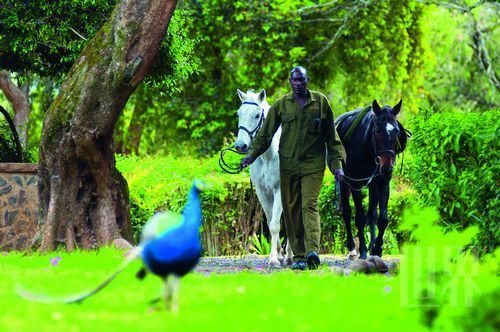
(267, 206)
(277, 211)
(274, 228)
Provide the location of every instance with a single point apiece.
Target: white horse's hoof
(274, 264)
(288, 262)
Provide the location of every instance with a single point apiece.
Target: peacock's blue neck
(192, 210)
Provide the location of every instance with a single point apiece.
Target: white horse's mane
(254, 96)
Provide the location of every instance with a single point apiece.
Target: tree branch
(482, 54)
(353, 9)
(477, 38)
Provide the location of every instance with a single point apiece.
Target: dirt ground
(256, 263)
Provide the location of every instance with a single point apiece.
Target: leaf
(456, 145)
(453, 169)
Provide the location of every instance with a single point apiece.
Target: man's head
(298, 80)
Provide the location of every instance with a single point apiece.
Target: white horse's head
(251, 115)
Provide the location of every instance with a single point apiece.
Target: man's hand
(339, 174)
(247, 161)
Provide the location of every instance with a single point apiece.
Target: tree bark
(19, 100)
(83, 198)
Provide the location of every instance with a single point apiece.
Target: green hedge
(455, 167)
(232, 213)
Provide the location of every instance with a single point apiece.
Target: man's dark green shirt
(306, 134)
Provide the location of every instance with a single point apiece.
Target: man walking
(307, 126)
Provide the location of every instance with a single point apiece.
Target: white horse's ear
(262, 96)
(242, 95)
(396, 109)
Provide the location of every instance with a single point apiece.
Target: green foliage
(260, 245)
(8, 151)
(213, 302)
(377, 50)
(254, 44)
(443, 279)
(456, 75)
(439, 288)
(231, 210)
(46, 37)
(455, 167)
(333, 238)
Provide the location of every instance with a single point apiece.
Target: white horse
(265, 170)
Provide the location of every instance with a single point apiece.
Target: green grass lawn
(281, 301)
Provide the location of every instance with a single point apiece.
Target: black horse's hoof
(362, 255)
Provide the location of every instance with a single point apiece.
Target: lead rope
(375, 173)
(224, 166)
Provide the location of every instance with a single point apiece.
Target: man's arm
(264, 137)
(334, 147)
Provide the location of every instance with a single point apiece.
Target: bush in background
(231, 210)
(455, 167)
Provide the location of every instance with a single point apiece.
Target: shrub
(230, 209)
(333, 239)
(232, 212)
(455, 167)
(453, 289)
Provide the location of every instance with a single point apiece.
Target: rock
(380, 265)
(363, 266)
(122, 244)
(252, 256)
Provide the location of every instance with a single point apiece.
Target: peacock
(170, 247)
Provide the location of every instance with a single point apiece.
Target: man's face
(298, 81)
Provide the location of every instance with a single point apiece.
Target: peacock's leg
(171, 293)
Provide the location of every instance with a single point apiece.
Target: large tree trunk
(83, 198)
(19, 101)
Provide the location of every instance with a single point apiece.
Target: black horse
(371, 146)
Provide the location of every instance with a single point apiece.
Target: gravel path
(256, 263)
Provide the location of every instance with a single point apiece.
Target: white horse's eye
(257, 116)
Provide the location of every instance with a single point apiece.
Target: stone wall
(18, 205)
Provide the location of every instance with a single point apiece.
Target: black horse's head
(385, 136)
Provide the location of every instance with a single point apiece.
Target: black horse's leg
(383, 195)
(360, 222)
(346, 214)
(372, 214)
